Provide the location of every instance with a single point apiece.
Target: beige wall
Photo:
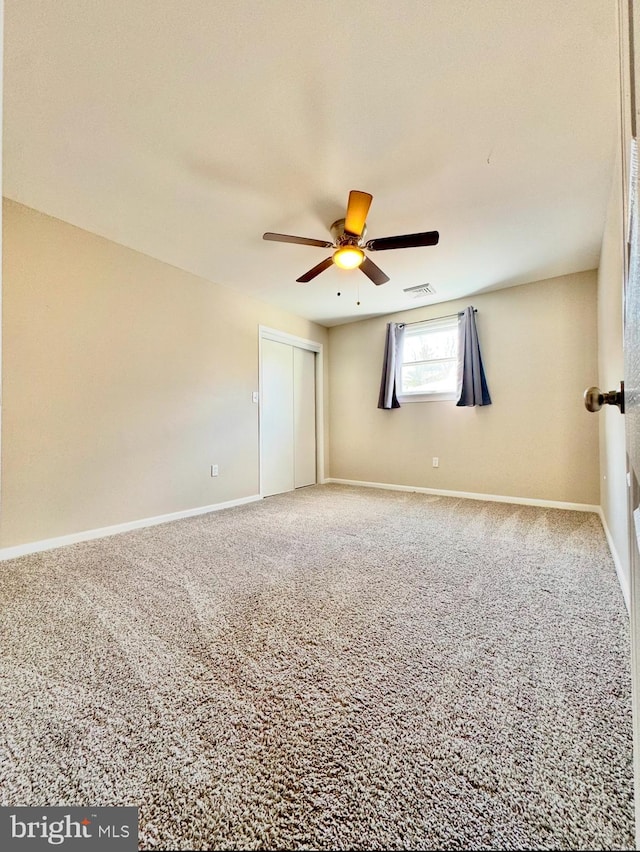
(613, 485)
(124, 379)
(535, 441)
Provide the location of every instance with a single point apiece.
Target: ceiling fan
(348, 235)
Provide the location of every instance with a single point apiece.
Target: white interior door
(304, 417)
(287, 417)
(631, 345)
(277, 419)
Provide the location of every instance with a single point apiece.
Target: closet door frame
(266, 333)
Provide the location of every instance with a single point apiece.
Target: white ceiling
(186, 129)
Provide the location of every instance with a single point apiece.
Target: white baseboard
(102, 532)
(468, 495)
(623, 579)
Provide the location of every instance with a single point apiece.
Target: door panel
(631, 346)
(276, 418)
(287, 417)
(304, 405)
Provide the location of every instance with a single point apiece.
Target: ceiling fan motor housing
(342, 238)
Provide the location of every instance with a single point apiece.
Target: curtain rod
(446, 316)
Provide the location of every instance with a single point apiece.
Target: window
(429, 361)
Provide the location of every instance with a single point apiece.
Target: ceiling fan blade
(374, 272)
(357, 209)
(320, 267)
(303, 241)
(426, 238)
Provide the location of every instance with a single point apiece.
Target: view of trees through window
(429, 358)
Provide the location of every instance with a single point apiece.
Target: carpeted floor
(334, 668)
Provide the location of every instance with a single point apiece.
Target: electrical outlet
(214, 470)
(436, 461)
(254, 396)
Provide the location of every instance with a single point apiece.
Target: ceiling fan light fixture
(348, 257)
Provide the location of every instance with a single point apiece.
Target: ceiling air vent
(420, 290)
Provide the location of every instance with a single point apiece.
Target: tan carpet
(335, 668)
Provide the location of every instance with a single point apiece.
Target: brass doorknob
(594, 398)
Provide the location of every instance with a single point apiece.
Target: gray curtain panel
(388, 386)
(472, 383)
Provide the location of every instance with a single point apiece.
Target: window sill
(403, 399)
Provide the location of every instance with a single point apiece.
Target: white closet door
(304, 407)
(277, 418)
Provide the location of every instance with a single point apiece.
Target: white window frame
(404, 398)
